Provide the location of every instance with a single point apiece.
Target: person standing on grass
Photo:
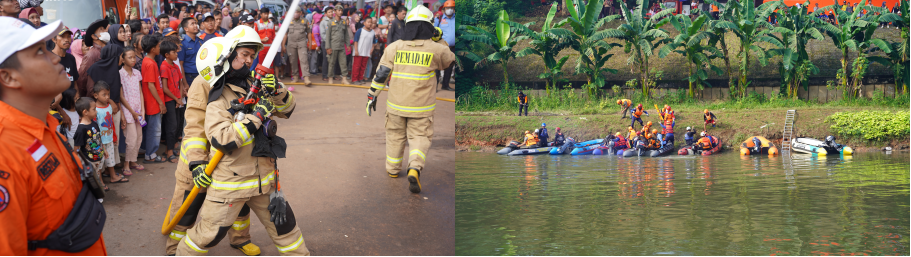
(523, 103)
(624, 104)
(636, 115)
(153, 96)
(132, 104)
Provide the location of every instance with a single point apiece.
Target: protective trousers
(218, 216)
(625, 110)
(419, 132)
(337, 57)
(523, 106)
(240, 232)
(634, 119)
(298, 52)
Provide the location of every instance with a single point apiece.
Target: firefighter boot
(414, 180)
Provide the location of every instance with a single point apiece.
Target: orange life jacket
(521, 98)
(708, 116)
(638, 113)
(531, 139)
(706, 142)
(626, 102)
(668, 127)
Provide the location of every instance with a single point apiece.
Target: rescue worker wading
(45, 207)
(240, 178)
(194, 150)
(409, 64)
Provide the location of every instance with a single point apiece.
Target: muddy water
(682, 205)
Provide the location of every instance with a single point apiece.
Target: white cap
(18, 35)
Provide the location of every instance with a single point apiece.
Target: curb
(357, 86)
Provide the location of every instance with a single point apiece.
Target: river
(723, 204)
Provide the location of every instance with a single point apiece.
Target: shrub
(871, 125)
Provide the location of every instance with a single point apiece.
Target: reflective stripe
(190, 143)
(411, 109)
(393, 160)
(292, 246)
(194, 246)
(287, 104)
(413, 76)
(222, 185)
(177, 235)
(244, 134)
(418, 152)
(241, 225)
(377, 86)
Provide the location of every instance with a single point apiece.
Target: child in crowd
(135, 42)
(171, 79)
(88, 136)
(131, 103)
(105, 121)
(152, 95)
(68, 105)
(363, 47)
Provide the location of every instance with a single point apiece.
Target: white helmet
(703, 134)
(212, 58)
(536, 131)
(419, 13)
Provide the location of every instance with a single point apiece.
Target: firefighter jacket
(194, 149)
(239, 174)
(412, 85)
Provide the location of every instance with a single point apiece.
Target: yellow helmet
(618, 134)
(706, 111)
(438, 35)
(654, 131)
(212, 57)
(419, 13)
(649, 124)
(526, 132)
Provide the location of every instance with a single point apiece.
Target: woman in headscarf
(32, 15)
(107, 69)
(226, 18)
(120, 33)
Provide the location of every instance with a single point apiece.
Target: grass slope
(480, 132)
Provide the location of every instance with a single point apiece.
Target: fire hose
(261, 70)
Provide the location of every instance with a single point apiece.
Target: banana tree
(501, 43)
(856, 34)
(641, 36)
(689, 43)
(589, 41)
(720, 39)
(895, 61)
(547, 43)
(796, 29)
(749, 24)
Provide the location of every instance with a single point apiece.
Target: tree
(725, 14)
(641, 37)
(749, 24)
(853, 33)
(501, 44)
(897, 63)
(589, 42)
(689, 44)
(547, 43)
(796, 28)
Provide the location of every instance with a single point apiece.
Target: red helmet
(639, 106)
(558, 128)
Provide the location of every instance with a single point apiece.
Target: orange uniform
(39, 183)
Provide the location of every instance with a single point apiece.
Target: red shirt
(38, 183)
(150, 75)
(173, 74)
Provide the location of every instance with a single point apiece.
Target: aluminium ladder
(788, 133)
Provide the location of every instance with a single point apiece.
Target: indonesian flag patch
(37, 150)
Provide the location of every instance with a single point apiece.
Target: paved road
(334, 178)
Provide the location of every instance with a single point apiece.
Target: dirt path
(334, 177)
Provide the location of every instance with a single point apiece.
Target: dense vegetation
(700, 40)
(871, 125)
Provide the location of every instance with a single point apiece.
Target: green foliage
(871, 125)
(500, 44)
(586, 39)
(689, 43)
(641, 36)
(796, 29)
(547, 43)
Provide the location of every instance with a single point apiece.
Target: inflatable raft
(512, 146)
(645, 152)
(568, 144)
(531, 151)
(606, 149)
(689, 150)
(765, 146)
(584, 150)
(813, 146)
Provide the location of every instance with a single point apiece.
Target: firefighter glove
(263, 109)
(277, 207)
(200, 178)
(268, 82)
(371, 103)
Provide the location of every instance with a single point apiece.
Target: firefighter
(194, 151)
(240, 178)
(409, 65)
(624, 104)
(40, 182)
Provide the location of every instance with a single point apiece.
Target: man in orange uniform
(266, 30)
(625, 104)
(39, 175)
